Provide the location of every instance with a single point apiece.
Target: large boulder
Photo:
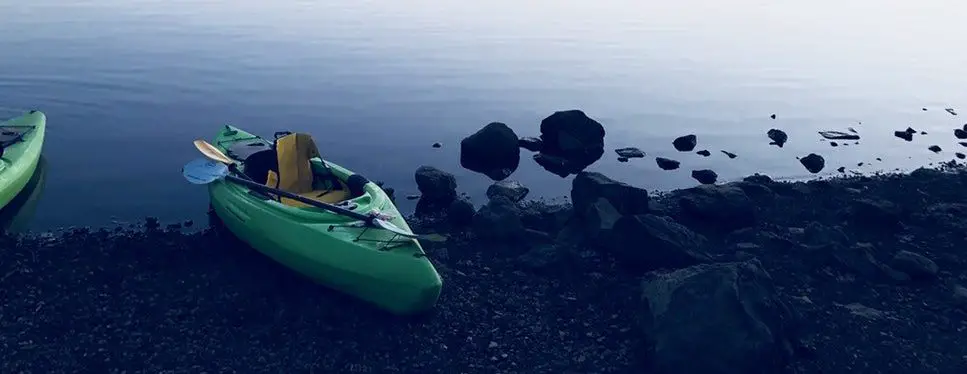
(572, 140)
(599, 220)
(721, 318)
(499, 220)
(648, 242)
(587, 187)
(723, 206)
(492, 151)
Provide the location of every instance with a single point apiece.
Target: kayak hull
(373, 265)
(19, 160)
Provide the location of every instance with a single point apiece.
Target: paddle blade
(211, 152)
(204, 171)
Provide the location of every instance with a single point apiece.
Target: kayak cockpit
(293, 164)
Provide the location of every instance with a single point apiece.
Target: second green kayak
(21, 142)
(378, 266)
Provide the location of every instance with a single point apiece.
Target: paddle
(204, 171)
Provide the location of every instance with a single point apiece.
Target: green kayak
(375, 265)
(21, 141)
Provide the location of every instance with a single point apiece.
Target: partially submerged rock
(733, 309)
(779, 137)
(908, 136)
(838, 135)
(704, 153)
(492, 151)
(960, 134)
(685, 143)
(667, 164)
(630, 152)
(813, 162)
(460, 212)
(730, 154)
(436, 186)
(530, 143)
(573, 138)
(935, 148)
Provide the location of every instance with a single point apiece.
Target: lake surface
(128, 85)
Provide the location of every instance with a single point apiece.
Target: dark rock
(499, 220)
(598, 222)
(959, 297)
(838, 135)
(841, 169)
(915, 265)
(573, 136)
(755, 190)
(188, 223)
(834, 144)
(667, 164)
(910, 130)
(531, 143)
(960, 155)
(960, 134)
(587, 187)
(733, 308)
(903, 135)
(554, 164)
(492, 151)
(547, 258)
(510, 189)
(759, 178)
(779, 137)
(859, 259)
(773, 116)
(964, 144)
(436, 185)
(537, 215)
(705, 176)
(817, 234)
(813, 162)
(723, 206)
(875, 212)
(934, 148)
(685, 143)
(647, 242)
(630, 152)
(412, 197)
(704, 153)
(437, 145)
(730, 154)
(622, 159)
(460, 212)
(951, 111)
(151, 223)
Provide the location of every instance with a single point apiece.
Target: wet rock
(622, 159)
(498, 220)
(951, 111)
(960, 134)
(779, 137)
(838, 135)
(554, 164)
(572, 136)
(934, 148)
(492, 151)
(773, 116)
(733, 308)
(903, 135)
(530, 143)
(759, 178)
(915, 265)
(437, 145)
(667, 164)
(813, 162)
(685, 143)
(630, 152)
(435, 185)
(841, 169)
(460, 212)
(510, 189)
(875, 212)
(963, 144)
(730, 154)
(704, 153)
(587, 187)
(833, 144)
(960, 155)
(705, 176)
(646, 242)
(723, 206)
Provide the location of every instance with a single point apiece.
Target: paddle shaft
(302, 199)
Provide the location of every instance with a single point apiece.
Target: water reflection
(18, 214)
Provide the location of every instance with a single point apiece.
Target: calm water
(127, 86)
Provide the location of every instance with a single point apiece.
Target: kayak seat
(339, 192)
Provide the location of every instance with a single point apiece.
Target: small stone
(951, 111)
(779, 137)
(903, 135)
(629, 152)
(841, 169)
(960, 134)
(730, 154)
(530, 143)
(834, 144)
(437, 145)
(960, 155)
(934, 148)
(773, 116)
(813, 162)
(622, 159)
(704, 153)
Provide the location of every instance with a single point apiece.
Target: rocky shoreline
(852, 274)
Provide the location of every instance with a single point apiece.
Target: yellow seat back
(295, 171)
